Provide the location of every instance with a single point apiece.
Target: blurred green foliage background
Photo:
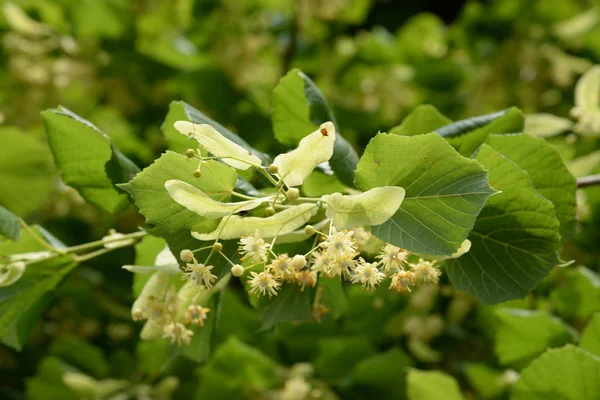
(120, 63)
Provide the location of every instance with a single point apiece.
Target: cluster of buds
(336, 256)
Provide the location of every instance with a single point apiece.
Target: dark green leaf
(81, 355)
(10, 225)
(28, 173)
(444, 191)
(22, 302)
(515, 241)
(547, 172)
(383, 375)
(299, 108)
(81, 152)
(290, 304)
(236, 371)
(468, 134)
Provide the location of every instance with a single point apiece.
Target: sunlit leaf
(522, 335)
(432, 385)
(568, 373)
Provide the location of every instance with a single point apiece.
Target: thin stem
(37, 238)
(586, 181)
(268, 176)
(227, 258)
(202, 248)
(242, 196)
(93, 254)
(309, 199)
(101, 242)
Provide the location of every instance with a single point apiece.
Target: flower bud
(273, 169)
(197, 174)
(299, 261)
(237, 270)
(190, 153)
(309, 230)
(292, 194)
(186, 255)
(217, 247)
(269, 211)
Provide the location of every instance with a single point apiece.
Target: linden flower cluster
(336, 256)
(169, 313)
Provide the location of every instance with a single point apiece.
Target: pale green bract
(546, 125)
(314, 149)
(372, 207)
(199, 202)
(281, 223)
(587, 103)
(219, 146)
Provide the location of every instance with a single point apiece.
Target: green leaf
(290, 305)
(590, 340)
(488, 382)
(28, 173)
(515, 241)
(290, 110)
(383, 375)
(298, 108)
(80, 354)
(373, 207)
(546, 125)
(547, 172)
(432, 385)
(281, 223)
(333, 296)
(150, 195)
(119, 168)
(466, 135)
(568, 373)
(22, 303)
(236, 371)
(181, 111)
(579, 295)
(82, 152)
(444, 191)
(47, 383)
(10, 225)
(338, 355)
(522, 335)
(423, 119)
